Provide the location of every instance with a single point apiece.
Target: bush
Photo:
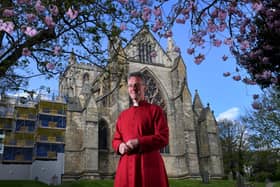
(276, 175)
(262, 176)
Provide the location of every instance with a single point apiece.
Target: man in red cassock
(141, 131)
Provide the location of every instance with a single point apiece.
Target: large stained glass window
(154, 95)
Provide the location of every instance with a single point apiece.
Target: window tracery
(153, 93)
(144, 52)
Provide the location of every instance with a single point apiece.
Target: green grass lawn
(109, 183)
(277, 184)
(212, 183)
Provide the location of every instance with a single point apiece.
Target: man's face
(136, 89)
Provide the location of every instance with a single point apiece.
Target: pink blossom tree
(37, 36)
(45, 32)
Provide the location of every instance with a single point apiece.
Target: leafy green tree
(234, 146)
(264, 120)
(264, 164)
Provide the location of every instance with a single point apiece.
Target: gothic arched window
(85, 78)
(153, 93)
(144, 52)
(102, 134)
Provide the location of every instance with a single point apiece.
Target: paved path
(270, 184)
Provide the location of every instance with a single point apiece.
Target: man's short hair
(137, 74)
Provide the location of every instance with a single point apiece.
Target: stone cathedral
(95, 98)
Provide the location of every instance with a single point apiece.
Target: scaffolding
(52, 108)
(6, 124)
(18, 148)
(50, 134)
(31, 129)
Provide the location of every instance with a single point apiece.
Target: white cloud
(230, 114)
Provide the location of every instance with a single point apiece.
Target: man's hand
(132, 144)
(123, 148)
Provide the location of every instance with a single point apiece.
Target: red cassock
(143, 167)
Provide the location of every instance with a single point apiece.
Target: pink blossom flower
(26, 52)
(180, 20)
(168, 34)
(71, 13)
(199, 59)
(31, 17)
(28, 2)
(49, 22)
(50, 66)
(142, 1)
(249, 81)
(211, 27)
(39, 7)
(253, 28)
(202, 33)
(256, 105)
(228, 41)
(123, 1)
(157, 26)
(190, 51)
(134, 13)
(29, 31)
(157, 11)
(232, 9)
(214, 14)
(237, 77)
(187, 16)
(242, 30)
(253, 54)
(57, 50)
(244, 45)
(197, 40)
(257, 6)
(7, 26)
(146, 14)
(265, 60)
(8, 13)
(217, 43)
(177, 49)
(226, 74)
(146, 17)
(54, 10)
(266, 74)
(123, 26)
(222, 15)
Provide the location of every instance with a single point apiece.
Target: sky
(227, 98)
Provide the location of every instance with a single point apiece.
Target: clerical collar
(137, 104)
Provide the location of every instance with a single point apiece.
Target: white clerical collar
(135, 104)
